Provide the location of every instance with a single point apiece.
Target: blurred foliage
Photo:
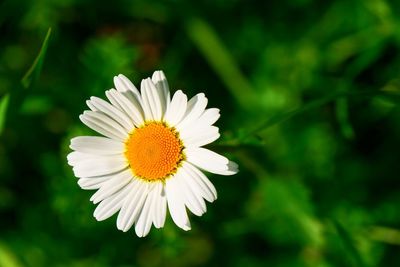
(309, 93)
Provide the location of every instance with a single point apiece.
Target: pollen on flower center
(154, 151)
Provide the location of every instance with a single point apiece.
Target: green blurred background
(309, 93)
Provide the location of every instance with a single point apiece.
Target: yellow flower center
(154, 151)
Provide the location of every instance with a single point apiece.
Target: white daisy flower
(150, 156)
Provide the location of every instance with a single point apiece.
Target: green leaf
(349, 245)
(34, 71)
(3, 110)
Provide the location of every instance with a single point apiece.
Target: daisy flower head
(150, 157)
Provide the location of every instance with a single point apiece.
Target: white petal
(124, 85)
(195, 108)
(206, 159)
(112, 186)
(193, 201)
(160, 207)
(151, 100)
(144, 222)
(131, 108)
(91, 106)
(99, 128)
(112, 204)
(98, 165)
(78, 158)
(176, 205)
(208, 118)
(92, 183)
(97, 145)
(176, 108)
(198, 178)
(132, 207)
(106, 122)
(203, 137)
(112, 112)
(233, 168)
(75, 157)
(160, 81)
(102, 128)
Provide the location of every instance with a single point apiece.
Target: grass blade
(349, 245)
(221, 61)
(342, 116)
(3, 110)
(34, 71)
(387, 95)
(243, 137)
